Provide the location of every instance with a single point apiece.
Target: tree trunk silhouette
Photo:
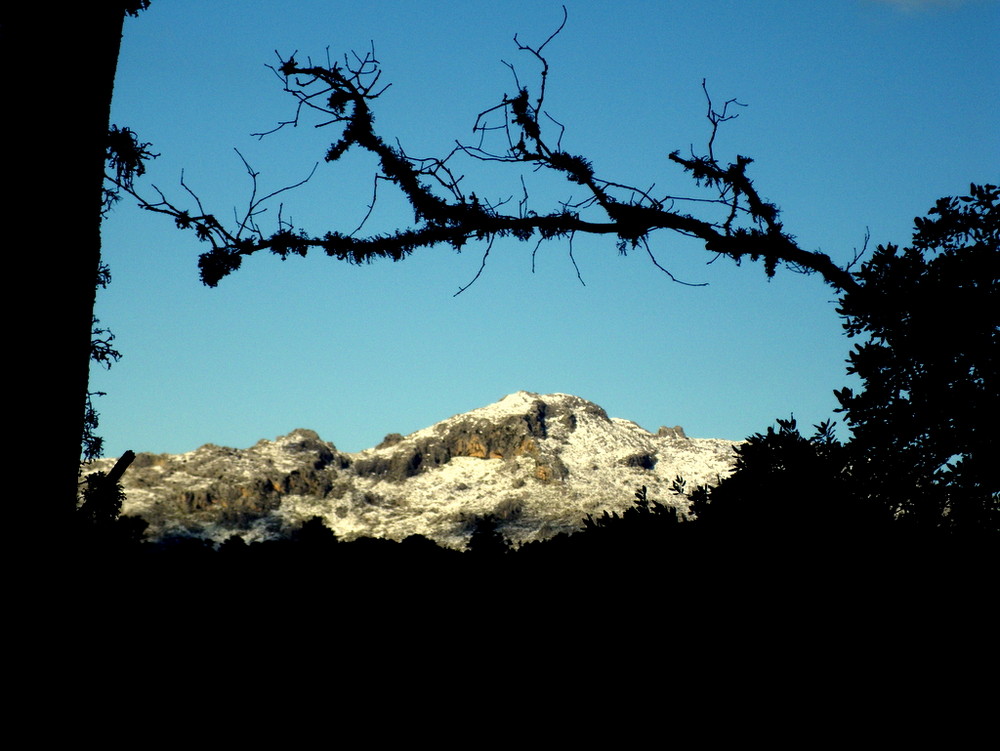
(61, 65)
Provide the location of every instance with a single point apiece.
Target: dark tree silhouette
(921, 458)
(61, 64)
(487, 541)
(924, 422)
(786, 490)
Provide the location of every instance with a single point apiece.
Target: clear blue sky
(861, 113)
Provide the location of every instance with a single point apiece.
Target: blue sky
(861, 113)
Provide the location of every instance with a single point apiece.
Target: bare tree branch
(510, 132)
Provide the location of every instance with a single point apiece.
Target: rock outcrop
(676, 432)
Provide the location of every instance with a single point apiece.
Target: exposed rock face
(675, 432)
(478, 436)
(539, 462)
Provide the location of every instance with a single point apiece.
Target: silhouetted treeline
(786, 512)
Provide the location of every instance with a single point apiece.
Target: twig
(656, 263)
(482, 266)
(571, 258)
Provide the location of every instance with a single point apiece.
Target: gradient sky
(861, 113)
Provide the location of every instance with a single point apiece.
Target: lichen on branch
(514, 132)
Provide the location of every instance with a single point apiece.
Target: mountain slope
(540, 463)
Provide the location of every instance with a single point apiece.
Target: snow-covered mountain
(540, 463)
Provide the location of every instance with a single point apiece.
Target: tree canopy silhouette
(922, 451)
(924, 423)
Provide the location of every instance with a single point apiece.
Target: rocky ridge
(539, 463)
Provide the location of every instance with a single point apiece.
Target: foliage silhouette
(487, 541)
(923, 425)
(785, 488)
(645, 516)
(125, 157)
(103, 353)
(920, 461)
(102, 496)
(100, 525)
